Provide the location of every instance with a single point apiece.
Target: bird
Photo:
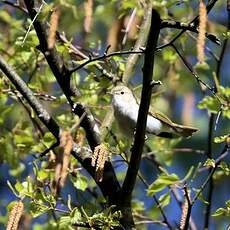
(126, 108)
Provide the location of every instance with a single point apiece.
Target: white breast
(126, 114)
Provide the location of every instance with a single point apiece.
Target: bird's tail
(184, 131)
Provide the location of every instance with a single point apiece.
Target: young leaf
(161, 182)
(165, 199)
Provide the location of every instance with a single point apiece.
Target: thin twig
(200, 81)
(211, 128)
(15, 5)
(166, 221)
(105, 56)
(195, 21)
(141, 42)
(31, 24)
(188, 27)
(128, 26)
(224, 153)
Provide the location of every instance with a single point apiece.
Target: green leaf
(18, 170)
(161, 182)
(42, 175)
(227, 203)
(226, 35)
(76, 216)
(24, 189)
(201, 198)
(209, 103)
(38, 208)
(165, 199)
(189, 173)
(225, 167)
(223, 211)
(210, 163)
(219, 212)
(65, 222)
(202, 66)
(80, 182)
(169, 56)
(48, 139)
(221, 139)
(19, 187)
(11, 205)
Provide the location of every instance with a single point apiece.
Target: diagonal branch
(136, 151)
(223, 154)
(188, 27)
(105, 56)
(21, 86)
(195, 22)
(63, 76)
(109, 185)
(139, 140)
(141, 41)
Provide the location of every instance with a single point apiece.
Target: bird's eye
(122, 92)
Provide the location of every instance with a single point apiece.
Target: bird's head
(122, 94)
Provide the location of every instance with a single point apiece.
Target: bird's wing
(161, 117)
(185, 131)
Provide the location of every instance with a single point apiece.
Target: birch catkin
(88, 15)
(15, 216)
(53, 27)
(184, 214)
(202, 31)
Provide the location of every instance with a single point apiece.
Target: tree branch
(104, 56)
(211, 127)
(63, 76)
(141, 41)
(139, 139)
(131, 63)
(223, 154)
(109, 185)
(188, 27)
(190, 68)
(21, 86)
(195, 22)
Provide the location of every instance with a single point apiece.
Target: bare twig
(188, 27)
(15, 5)
(200, 81)
(128, 26)
(105, 56)
(223, 154)
(141, 42)
(194, 22)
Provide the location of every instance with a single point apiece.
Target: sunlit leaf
(165, 199)
(210, 163)
(161, 182)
